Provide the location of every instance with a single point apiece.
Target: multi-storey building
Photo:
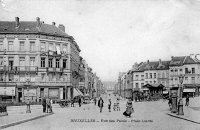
(128, 85)
(157, 72)
(138, 76)
(82, 76)
(120, 83)
(190, 68)
(37, 60)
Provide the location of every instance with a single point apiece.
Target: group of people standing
(127, 113)
(47, 105)
(79, 101)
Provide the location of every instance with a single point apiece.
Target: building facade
(37, 60)
(190, 68)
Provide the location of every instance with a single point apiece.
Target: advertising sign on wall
(53, 92)
(7, 91)
(32, 92)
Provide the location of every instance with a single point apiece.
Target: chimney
(147, 61)
(53, 23)
(160, 62)
(38, 21)
(172, 57)
(17, 21)
(61, 27)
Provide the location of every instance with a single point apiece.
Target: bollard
(180, 107)
(174, 103)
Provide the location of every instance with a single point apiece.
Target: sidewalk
(20, 116)
(192, 112)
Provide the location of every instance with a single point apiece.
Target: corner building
(37, 60)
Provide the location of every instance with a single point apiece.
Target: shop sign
(7, 91)
(31, 92)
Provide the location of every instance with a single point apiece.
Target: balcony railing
(18, 68)
(54, 69)
(46, 83)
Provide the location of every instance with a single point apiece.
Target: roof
(154, 65)
(163, 66)
(30, 27)
(141, 67)
(182, 60)
(153, 86)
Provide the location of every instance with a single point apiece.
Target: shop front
(191, 90)
(7, 93)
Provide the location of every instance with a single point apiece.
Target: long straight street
(147, 115)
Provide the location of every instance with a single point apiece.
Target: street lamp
(180, 103)
(28, 110)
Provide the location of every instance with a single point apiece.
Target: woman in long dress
(129, 108)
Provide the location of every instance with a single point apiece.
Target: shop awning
(145, 89)
(189, 90)
(76, 93)
(153, 86)
(165, 92)
(79, 92)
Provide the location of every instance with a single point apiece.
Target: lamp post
(28, 110)
(12, 95)
(180, 103)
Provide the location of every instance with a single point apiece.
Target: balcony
(17, 69)
(39, 83)
(54, 69)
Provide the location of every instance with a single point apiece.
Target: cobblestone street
(147, 115)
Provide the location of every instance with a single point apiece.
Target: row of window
(51, 47)
(187, 71)
(32, 77)
(21, 61)
(137, 85)
(32, 46)
(21, 46)
(50, 63)
(186, 79)
(150, 75)
(33, 62)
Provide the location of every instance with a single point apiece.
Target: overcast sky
(113, 34)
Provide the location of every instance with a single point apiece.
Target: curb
(23, 121)
(183, 118)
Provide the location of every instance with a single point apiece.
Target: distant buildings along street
(160, 77)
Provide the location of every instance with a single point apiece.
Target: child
(109, 105)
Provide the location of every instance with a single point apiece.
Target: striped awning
(188, 90)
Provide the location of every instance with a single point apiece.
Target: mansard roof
(154, 65)
(30, 27)
(183, 60)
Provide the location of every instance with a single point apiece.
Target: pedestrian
(79, 101)
(44, 104)
(51, 102)
(100, 104)
(187, 100)
(72, 102)
(48, 104)
(129, 109)
(109, 105)
(95, 101)
(170, 102)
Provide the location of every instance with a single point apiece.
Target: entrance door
(11, 64)
(19, 97)
(41, 93)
